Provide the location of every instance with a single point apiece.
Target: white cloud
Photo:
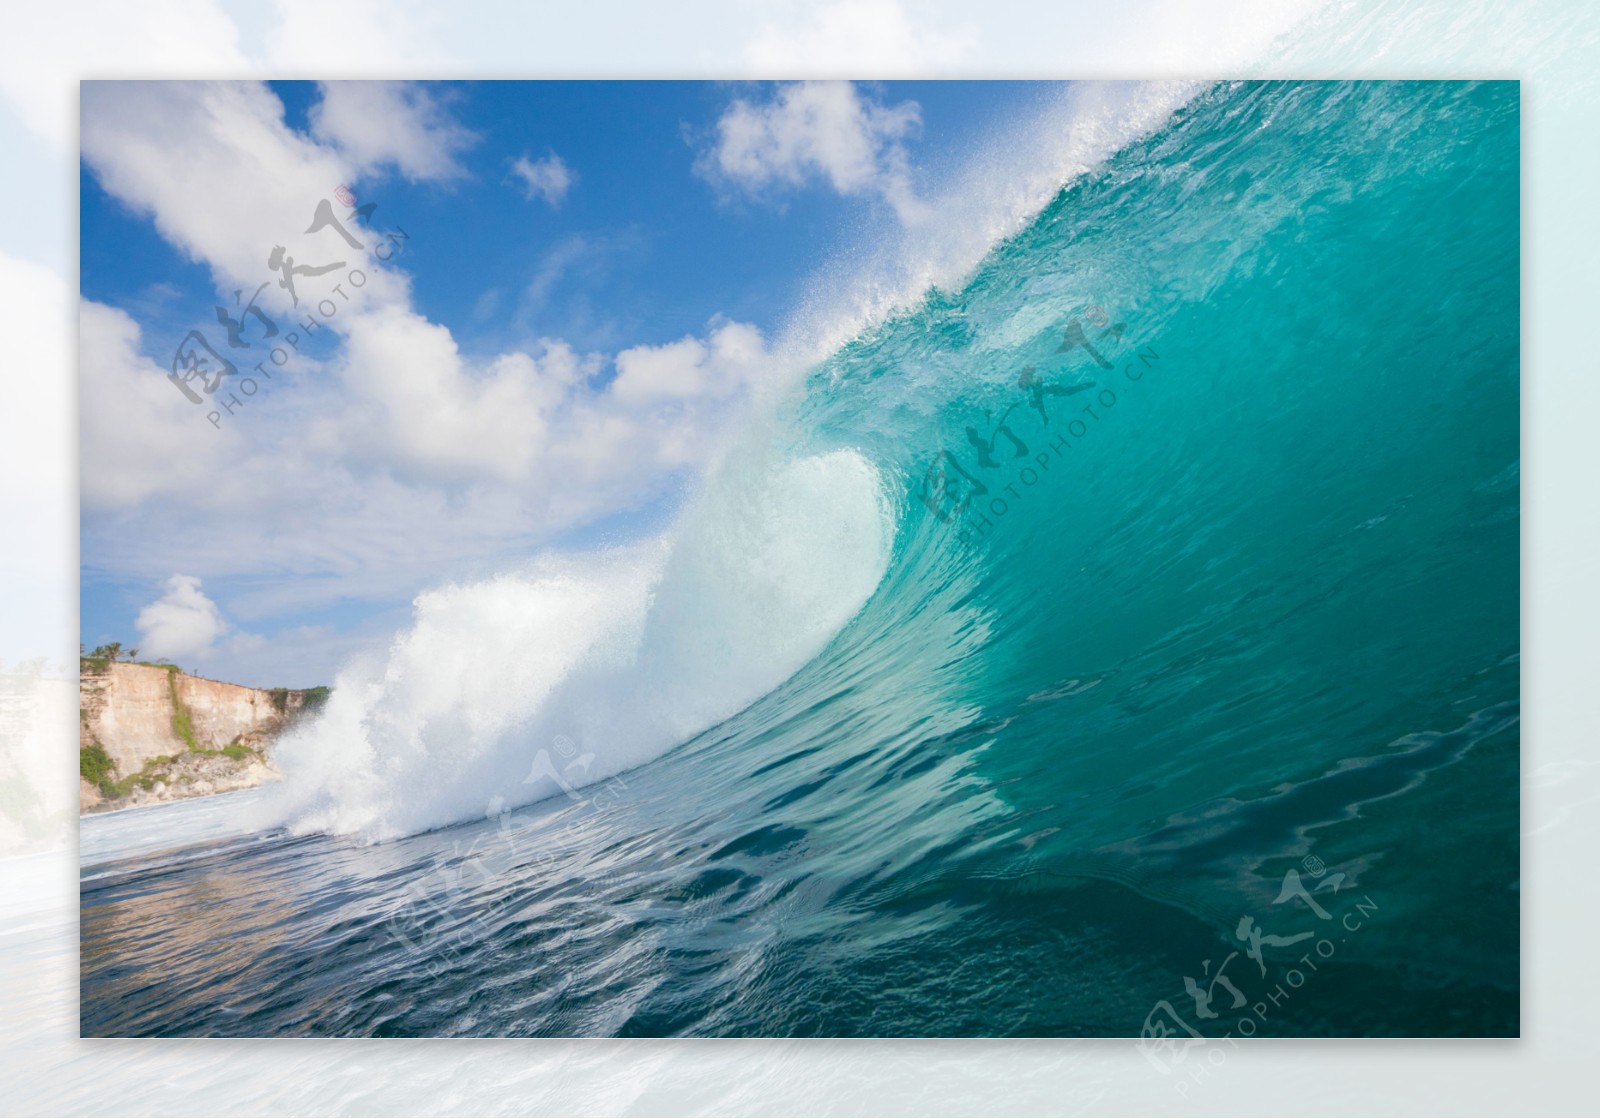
(139, 436)
(857, 37)
(549, 178)
(408, 401)
(417, 403)
(214, 164)
(182, 623)
(808, 130)
(733, 355)
(398, 124)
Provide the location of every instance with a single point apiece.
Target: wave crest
(617, 657)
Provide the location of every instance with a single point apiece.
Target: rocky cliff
(149, 733)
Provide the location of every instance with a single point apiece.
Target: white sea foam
(506, 691)
(989, 196)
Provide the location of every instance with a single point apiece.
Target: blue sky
(641, 249)
(630, 283)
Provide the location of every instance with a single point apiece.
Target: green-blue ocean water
(1189, 699)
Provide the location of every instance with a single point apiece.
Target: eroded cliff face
(149, 733)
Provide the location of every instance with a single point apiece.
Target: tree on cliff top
(110, 651)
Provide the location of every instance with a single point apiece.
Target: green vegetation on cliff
(182, 727)
(94, 764)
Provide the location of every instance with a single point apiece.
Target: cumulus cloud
(416, 401)
(732, 355)
(213, 164)
(418, 405)
(139, 436)
(182, 623)
(397, 124)
(409, 402)
(811, 130)
(549, 178)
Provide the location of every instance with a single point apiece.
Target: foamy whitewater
(1117, 584)
(604, 660)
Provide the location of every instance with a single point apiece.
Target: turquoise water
(1218, 653)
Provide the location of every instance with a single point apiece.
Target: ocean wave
(543, 681)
